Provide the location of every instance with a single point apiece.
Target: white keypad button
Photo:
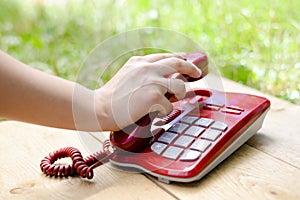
(158, 147)
(167, 137)
(201, 145)
(205, 122)
(190, 155)
(194, 131)
(172, 152)
(184, 141)
(211, 134)
(219, 126)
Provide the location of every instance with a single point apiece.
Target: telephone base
(198, 142)
(232, 148)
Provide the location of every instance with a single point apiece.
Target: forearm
(33, 96)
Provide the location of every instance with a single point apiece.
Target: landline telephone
(202, 130)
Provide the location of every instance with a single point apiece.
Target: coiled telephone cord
(80, 166)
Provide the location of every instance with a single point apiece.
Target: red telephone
(202, 130)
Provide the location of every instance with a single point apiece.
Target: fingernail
(199, 72)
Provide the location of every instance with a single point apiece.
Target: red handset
(138, 136)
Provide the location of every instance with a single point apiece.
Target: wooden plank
(248, 174)
(23, 146)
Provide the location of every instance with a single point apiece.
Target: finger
(172, 65)
(164, 107)
(160, 56)
(172, 85)
(176, 87)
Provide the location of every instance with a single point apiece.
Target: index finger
(173, 65)
(161, 56)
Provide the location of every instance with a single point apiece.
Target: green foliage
(253, 42)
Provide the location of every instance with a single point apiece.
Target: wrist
(83, 108)
(103, 111)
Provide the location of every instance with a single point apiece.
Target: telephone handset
(202, 130)
(137, 136)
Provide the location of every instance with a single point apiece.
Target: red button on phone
(216, 105)
(235, 108)
(211, 107)
(231, 111)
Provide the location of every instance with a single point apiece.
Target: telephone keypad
(189, 138)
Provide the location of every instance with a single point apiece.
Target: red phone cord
(82, 167)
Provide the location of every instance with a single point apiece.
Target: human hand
(139, 87)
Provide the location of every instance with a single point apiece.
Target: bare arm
(29, 95)
(33, 96)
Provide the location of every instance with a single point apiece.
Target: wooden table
(266, 167)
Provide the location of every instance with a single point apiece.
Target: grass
(252, 42)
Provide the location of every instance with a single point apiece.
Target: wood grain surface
(266, 167)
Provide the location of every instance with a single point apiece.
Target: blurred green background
(256, 43)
